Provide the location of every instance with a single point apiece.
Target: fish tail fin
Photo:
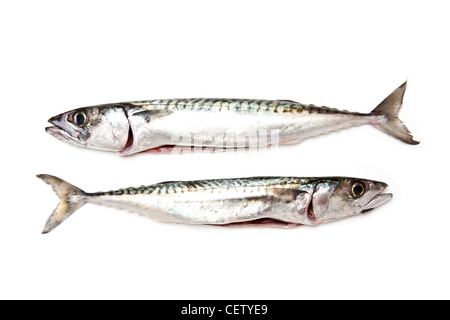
(71, 199)
(390, 108)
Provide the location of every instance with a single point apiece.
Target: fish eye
(357, 190)
(80, 119)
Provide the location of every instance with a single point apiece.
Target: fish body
(226, 124)
(276, 201)
(138, 126)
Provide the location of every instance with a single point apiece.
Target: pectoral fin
(149, 115)
(288, 195)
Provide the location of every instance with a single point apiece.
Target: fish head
(99, 127)
(344, 197)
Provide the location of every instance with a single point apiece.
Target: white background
(56, 56)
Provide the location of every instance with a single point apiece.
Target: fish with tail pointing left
(257, 201)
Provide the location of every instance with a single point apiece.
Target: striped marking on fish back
(169, 187)
(237, 105)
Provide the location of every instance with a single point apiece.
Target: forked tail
(71, 199)
(390, 108)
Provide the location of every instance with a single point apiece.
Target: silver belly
(233, 129)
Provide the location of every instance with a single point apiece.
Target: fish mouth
(58, 132)
(378, 200)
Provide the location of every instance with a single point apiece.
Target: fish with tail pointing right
(216, 124)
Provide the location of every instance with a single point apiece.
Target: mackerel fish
(218, 124)
(258, 201)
